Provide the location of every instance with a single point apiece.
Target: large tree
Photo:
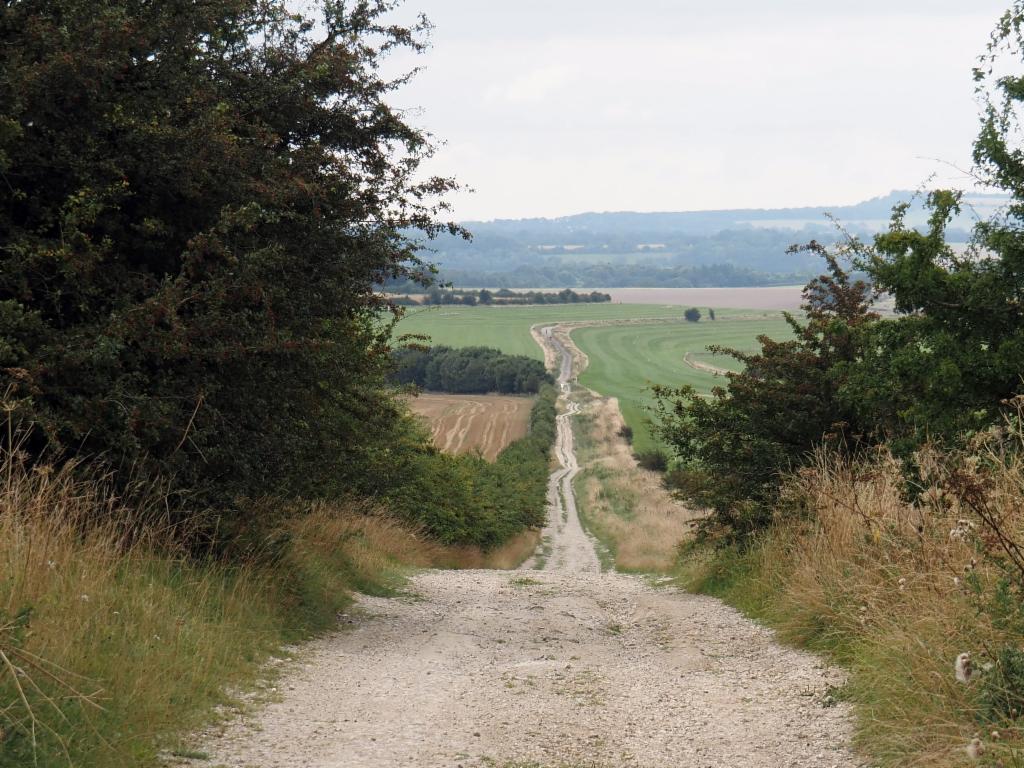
(198, 199)
(950, 363)
(733, 446)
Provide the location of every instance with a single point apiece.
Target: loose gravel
(561, 667)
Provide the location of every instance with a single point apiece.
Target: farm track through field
(562, 666)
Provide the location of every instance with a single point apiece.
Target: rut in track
(561, 666)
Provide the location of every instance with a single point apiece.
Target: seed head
(975, 749)
(963, 668)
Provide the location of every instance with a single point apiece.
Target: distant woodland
(470, 298)
(469, 370)
(731, 248)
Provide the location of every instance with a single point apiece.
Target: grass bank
(114, 645)
(896, 590)
(624, 506)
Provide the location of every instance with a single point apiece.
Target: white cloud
(664, 106)
(536, 85)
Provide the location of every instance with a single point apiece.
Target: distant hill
(868, 215)
(745, 246)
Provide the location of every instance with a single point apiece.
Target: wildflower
(995, 736)
(84, 598)
(975, 749)
(956, 581)
(963, 668)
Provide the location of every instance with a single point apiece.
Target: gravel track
(558, 667)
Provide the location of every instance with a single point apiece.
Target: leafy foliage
(466, 499)
(469, 370)
(198, 201)
(733, 446)
(947, 366)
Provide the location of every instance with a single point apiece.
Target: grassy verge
(895, 591)
(114, 647)
(625, 507)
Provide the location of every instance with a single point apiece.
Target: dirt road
(558, 667)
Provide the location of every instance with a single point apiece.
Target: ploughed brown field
(466, 423)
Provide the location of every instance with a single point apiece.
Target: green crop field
(625, 360)
(508, 328)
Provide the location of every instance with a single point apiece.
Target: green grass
(625, 360)
(508, 328)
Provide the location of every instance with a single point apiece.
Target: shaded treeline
(469, 370)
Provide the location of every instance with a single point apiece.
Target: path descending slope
(562, 667)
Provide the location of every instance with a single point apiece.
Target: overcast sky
(552, 107)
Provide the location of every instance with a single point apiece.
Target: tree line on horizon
(471, 297)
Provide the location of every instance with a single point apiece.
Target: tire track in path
(563, 667)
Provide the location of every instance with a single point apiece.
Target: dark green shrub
(469, 370)
(1002, 687)
(655, 459)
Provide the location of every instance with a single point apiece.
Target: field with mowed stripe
(508, 328)
(644, 344)
(625, 360)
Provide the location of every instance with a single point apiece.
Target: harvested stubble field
(466, 423)
(629, 346)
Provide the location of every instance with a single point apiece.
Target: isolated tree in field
(197, 202)
(692, 315)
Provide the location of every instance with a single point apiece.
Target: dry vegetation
(625, 506)
(467, 423)
(898, 590)
(112, 644)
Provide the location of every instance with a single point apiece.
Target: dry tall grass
(897, 590)
(112, 646)
(625, 506)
